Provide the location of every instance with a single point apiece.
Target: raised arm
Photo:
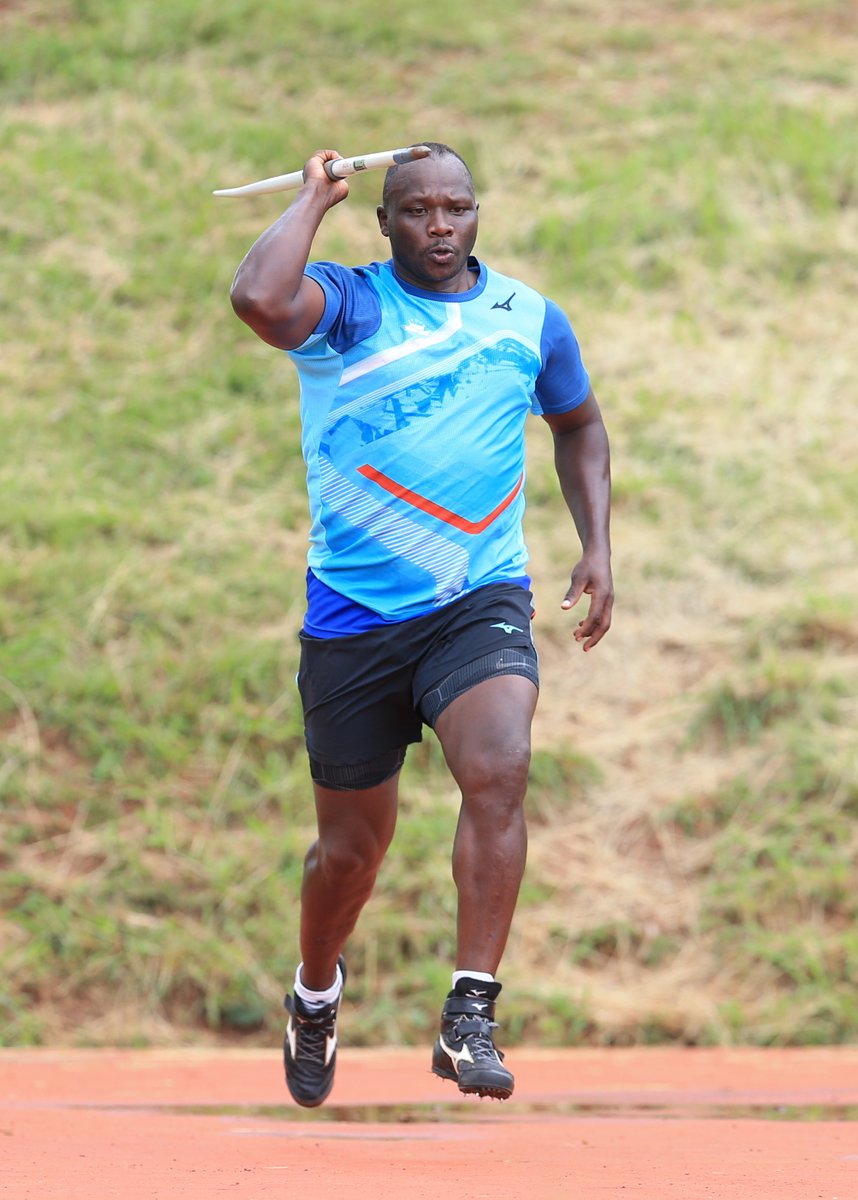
(270, 292)
(582, 461)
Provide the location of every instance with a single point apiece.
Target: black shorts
(366, 694)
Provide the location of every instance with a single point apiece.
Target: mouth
(441, 254)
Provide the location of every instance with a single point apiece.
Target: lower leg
(340, 869)
(488, 865)
(485, 734)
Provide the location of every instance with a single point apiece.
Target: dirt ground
(645, 1123)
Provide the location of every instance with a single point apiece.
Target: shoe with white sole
(310, 1049)
(465, 1051)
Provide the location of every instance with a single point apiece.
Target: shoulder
(352, 306)
(563, 382)
(558, 327)
(334, 276)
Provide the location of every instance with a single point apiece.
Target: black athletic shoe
(310, 1049)
(464, 1051)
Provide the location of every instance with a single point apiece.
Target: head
(429, 213)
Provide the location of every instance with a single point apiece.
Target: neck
(463, 282)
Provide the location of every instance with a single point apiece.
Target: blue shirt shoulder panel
(352, 309)
(563, 382)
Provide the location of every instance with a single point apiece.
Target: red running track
(643, 1124)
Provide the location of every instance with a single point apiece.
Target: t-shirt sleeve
(563, 382)
(352, 310)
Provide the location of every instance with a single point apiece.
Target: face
(431, 220)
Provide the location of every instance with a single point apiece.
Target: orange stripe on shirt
(437, 510)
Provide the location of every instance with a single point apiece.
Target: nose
(439, 223)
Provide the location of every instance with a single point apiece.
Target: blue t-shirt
(413, 405)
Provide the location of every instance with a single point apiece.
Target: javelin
(336, 168)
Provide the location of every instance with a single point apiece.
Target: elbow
(238, 303)
(269, 317)
(245, 302)
(249, 295)
(263, 313)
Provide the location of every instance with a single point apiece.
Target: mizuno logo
(506, 305)
(414, 327)
(457, 1056)
(507, 629)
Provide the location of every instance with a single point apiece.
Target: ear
(382, 221)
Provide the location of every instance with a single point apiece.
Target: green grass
(682, 179)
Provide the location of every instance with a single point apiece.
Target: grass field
(682, 177)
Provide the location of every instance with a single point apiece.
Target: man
(416, 377)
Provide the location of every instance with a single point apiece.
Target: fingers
(315, 164)
(596, 624)
(573, 595)
(592, 628)
(314, 172)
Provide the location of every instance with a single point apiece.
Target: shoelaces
(477, 1030)
(314, 1032)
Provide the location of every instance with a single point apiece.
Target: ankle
(480, 976)
(312, 999)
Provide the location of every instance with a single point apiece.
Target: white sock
(311, 999)
(480, 975)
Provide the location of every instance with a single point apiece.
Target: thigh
(487, 728)
(356, 697)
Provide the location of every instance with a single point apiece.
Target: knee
(347, 861)
(497, 777)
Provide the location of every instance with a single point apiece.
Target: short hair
(438, 150)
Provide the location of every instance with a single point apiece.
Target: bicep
(586, 413)
(290, 326)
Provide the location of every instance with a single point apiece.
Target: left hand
(592, 577)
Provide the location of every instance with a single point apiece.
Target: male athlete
(416, 377)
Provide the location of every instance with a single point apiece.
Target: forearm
(582, 461)
(270, 275)
(270, 292)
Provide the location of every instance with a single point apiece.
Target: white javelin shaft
(337, 168)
